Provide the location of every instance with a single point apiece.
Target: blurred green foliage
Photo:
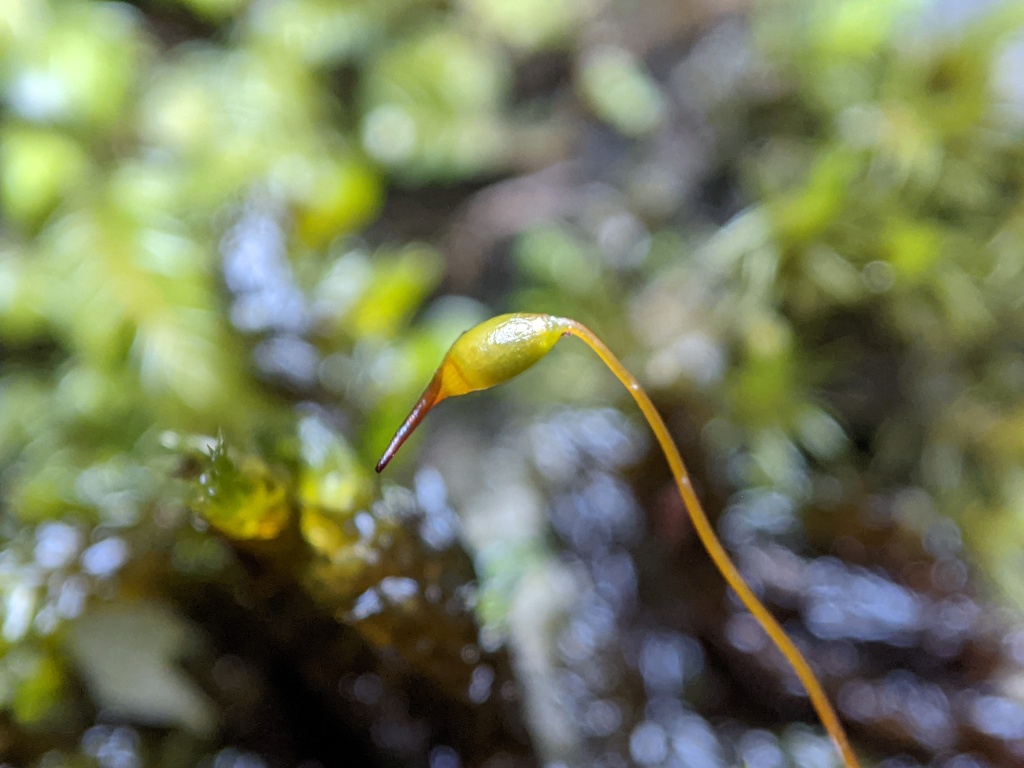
(890, 197)
(200, 237)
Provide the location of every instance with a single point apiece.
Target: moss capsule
(486, 355)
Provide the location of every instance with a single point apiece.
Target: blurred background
(237, 236)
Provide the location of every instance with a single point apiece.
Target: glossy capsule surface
(497, 350)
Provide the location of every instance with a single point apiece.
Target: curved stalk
(719, 556)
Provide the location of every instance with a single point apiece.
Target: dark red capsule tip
(431, 396)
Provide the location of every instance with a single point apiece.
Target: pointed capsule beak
(431, 396)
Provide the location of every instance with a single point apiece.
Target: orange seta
(499, 349)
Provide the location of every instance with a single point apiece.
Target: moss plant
(505, 346)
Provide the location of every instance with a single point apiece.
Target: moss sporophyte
(505, 346)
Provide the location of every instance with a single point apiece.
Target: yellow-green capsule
(486, 355)
(497, 350)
